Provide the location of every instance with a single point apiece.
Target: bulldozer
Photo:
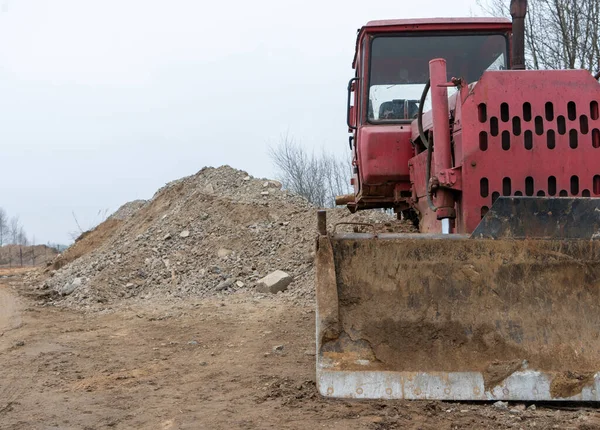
(497, 297)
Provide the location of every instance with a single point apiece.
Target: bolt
(473, 163)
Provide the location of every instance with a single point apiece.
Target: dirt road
(240, 363)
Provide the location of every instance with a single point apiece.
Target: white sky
(105, 101)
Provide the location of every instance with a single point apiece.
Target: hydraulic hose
(425, 141)
(420, 114)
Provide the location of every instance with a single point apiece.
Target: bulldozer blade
(453, 318)
(541, 218)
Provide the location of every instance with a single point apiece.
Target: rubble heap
(219, 231)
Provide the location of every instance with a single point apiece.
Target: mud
(498, 371)
(569, 384)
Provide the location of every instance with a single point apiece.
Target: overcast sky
(105, 101)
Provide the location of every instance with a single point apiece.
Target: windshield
(400, 68)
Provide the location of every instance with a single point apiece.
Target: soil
(220, 363)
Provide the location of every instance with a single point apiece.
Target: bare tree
(318, 178)
(14, 228)
(559, 34)
(3, 226)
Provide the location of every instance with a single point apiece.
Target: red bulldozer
(498, 295)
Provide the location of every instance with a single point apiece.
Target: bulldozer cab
(497, 296)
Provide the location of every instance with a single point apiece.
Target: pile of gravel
(213, 233)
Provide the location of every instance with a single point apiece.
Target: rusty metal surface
(541, 218)
(512, 319)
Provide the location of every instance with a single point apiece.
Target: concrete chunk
(274, 282)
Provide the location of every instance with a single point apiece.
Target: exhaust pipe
(518, 10)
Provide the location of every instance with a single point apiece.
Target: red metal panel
(534, 137)
(383, 154)
(427, 23)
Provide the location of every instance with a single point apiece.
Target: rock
(247, 178)
(264, 193)
(203, 363)
(531, 408)
(193, 342)
(184, 233)
(520, 407)
(309, 352)
(240, 284)
(515, 411)
(167, 236)
(130, 285)
(278, 348)
(20, 343)
(225, 284)
(274, 282)
(69, 287)
(222, 253)
(203, 216)
(272, 184)
(209, 189)
(501, 405)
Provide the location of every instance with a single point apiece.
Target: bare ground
(199, 364)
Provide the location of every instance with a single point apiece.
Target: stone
(309, 352)
(274, 282)
(225, 284)
(223, 253)
(69, 287)
(278, 348)
(531, 408)
(193, 342)
(247, 178)
(184, 233)
(264, 193)
(167, 236)
(203, 216)
(501, 405)
(209, 189)
(240, 284)
(272, 184)
(130, 285)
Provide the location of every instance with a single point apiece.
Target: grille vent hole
(495, 196)
(529, 186)
(596, 185)
(484, 210)
(539, 125)
(506, 188)
(563, 193)
(541, 193)
(549, 111)
(586, 193)
(573, 138)
(527, 111)
(574, 185)
(494, 126)
(551, 139)
(505, 140)
(482, 112)
(483, 141)
(562, 125)
(552, 185)
(484, 187)
(572, 111)
(528, 140)
(516, 126)
(596, 138)
(504, 113)
(583, 124)
(518, 193)
(594, 110)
